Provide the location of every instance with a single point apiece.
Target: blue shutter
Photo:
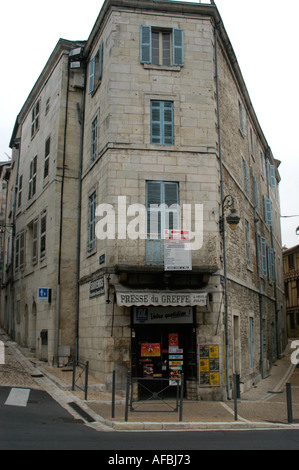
(168, 122)
(100, 60)
(268, 211)
(263, 256)
(247, 242)
(91, 74)
(272, 274)
(145, 44)
(272, 176)
(162, 122)
(178, 46)
(156, 122)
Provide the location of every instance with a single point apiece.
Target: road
(31, 419)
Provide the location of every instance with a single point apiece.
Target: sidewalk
(264, 406)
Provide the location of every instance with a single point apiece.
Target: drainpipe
(223, 232)
(81, 118)
(57, 310)
(12, 326)
(256, 220)
(275, 283)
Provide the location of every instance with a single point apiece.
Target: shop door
(160, 352)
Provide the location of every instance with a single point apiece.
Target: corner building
(151, 127)
(168, 120)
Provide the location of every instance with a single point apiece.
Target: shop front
(163, 344)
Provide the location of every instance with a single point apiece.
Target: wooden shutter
(100, 61)
(263, 256)
(91, 74)
(178, 46)
(145, 44)
(168, 122)
(156, 122)
(268, 211)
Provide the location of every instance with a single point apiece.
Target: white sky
(263, 34)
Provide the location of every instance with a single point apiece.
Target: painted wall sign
(97, 287)
(161, 298)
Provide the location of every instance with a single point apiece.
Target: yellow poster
(214, 350)
(204, 365)
(214, 378)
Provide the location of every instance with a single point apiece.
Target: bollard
(181, 398)
(113, 395)
(86, 380)
(289, 402)
(236, 396)
(127, 396)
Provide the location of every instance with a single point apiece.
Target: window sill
(166, 68)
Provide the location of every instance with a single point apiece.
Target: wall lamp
(297, 231)
(232, 219)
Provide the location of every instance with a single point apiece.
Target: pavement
(262, 407)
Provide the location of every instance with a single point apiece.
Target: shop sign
(154, 315)
(163, 299)
(150, 350)
(97, 287)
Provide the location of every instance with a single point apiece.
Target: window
(263, 256)
(47, 106)
(35, 119)
(96, 69)
(162, 126)
(91, 222)
(94, 136)
(32, 177)
(34, 241)
(271, 264)
(263, 165)
(242, 118)
(162, 205)
(161, 46)
(247, 242)
(291, 261)
(20, 251)
(20, 190)
(251, 142)
(256, 198)
(268, 211)
(47, 156)
(245, 176)
(43, 232)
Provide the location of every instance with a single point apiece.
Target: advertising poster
(150, 350)
(209, 371)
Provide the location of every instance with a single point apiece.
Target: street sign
(44, 295)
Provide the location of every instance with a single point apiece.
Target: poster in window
(148, 371)
(150, 350)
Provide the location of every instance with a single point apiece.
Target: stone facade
(210, 150)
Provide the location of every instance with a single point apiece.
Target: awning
(128, 297)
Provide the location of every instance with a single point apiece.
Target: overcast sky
(263, 34)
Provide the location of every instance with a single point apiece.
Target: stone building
(169, 140)
(291, 285)
(39, 282)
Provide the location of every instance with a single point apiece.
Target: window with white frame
(94, 138)
(91, 221)
(43, 234)
(35, 113)
(96, 69)
(20, 251)
(242, 118)
(47, 157)
(20, 190)
(32, 177)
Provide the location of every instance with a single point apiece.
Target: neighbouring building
(39, 280)
(152, 129)
(291, 286)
